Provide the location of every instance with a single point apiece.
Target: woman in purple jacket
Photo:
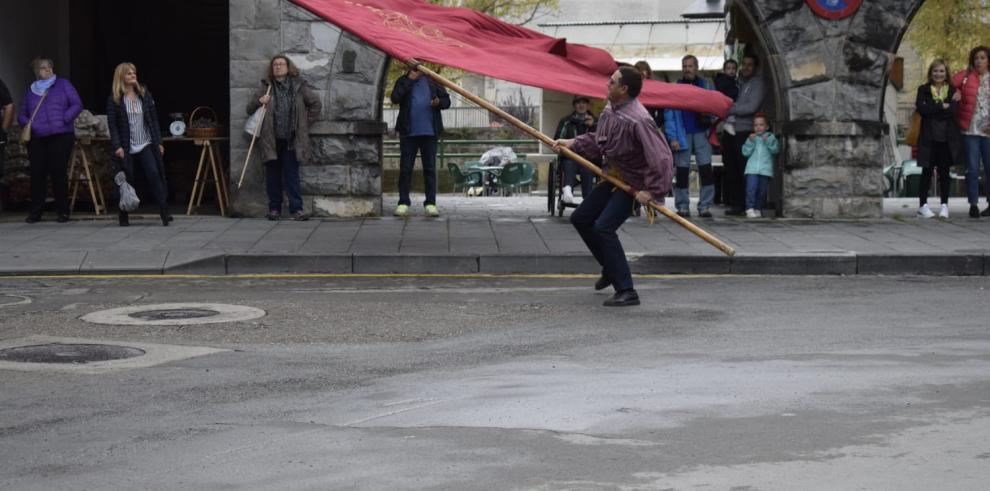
(52, 136)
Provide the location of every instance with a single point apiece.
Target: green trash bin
(910, 177)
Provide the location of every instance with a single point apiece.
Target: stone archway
(828, 79)
(343, 175)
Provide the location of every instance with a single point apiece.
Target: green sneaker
(402, 211)
(432, 211)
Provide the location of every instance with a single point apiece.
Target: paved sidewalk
(481, 237)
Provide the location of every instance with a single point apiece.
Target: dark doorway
(181, 49)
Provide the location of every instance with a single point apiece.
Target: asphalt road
(721, 383)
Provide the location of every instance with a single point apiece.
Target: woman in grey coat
(284, 137)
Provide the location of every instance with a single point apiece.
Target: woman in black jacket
(135, 135)
(939, 142)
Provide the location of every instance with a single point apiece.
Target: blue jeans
(426, 146)
(149, 166)
(977, 148)
(597, 220)
(697, 143)
(283, 171)
(756, 191)
(573, 169)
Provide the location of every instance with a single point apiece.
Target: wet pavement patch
(68, 353)
(174, 314)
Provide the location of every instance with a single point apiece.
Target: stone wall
(830, 78)
(343, 176)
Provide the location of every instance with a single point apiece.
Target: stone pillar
(343, 176)
(830, 78)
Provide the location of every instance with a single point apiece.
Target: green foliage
(949, 29)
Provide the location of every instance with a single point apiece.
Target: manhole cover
(157, 315)
(68, 353)
(174, 314)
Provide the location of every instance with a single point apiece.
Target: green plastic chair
(516, 175)
(463, 180)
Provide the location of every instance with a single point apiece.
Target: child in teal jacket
(759, 148)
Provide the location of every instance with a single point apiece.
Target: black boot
(122, 219)
(166, 217)
(624, 298)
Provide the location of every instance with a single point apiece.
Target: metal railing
(469, 117)
(444, 153)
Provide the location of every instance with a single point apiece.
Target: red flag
(472, 41)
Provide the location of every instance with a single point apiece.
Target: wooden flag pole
(254, 137)
(696, 230)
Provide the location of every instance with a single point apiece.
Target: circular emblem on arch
(834, 9)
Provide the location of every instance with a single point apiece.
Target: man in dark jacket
(419, 125)
(726, 83)
(571, 126)
(7, 115)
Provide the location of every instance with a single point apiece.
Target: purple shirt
(630, 142)
(57, 113)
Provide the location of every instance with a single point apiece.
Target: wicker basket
(212, 132)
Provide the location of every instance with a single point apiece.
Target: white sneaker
(567, 196)
(752, 213)
(925, 212)
(944, 212)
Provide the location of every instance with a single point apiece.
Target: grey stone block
(830, 263)
(538, 264)
(149, 262)
(947, 264)
(41, 262)
(324, 180)
(346, 150)
(254, 44)
(681, 264)
(242, 14)
(415, 264)
(268, 13)
(195, 262)
(366, 180)
(325, 36)
(291, 11)
(357, 62)
(353, 101)
(296, 37)
(288, 264)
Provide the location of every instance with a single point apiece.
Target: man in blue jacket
(419, 125)
(687, 133)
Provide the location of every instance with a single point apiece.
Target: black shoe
(165, 219)
(735, 212)
(974, 212)
(33, 218)
(122, 219)
(624, 298)
(274, 215)
(684, 213)
(986, 212)
(62, 218)
(705, 214)
(603, 282)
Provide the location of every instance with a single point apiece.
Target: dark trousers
(49, 156)
(734, 181)
(148, 163)
(426, 146)
(571, 170)
(597, 220)
(941, 158)
(283, 171)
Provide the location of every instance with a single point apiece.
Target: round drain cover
(174, 314)
(166, 314)
(68, 353)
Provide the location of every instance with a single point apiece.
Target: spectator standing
(571, 126)
(419, 124)
(939, 141)
(655, 113)
(284, 135)
(973, 117)
(136, 137)
(687, 133)
(760, 148)
(51, 105)
(6, 119)
(748, 103)
(728, 85)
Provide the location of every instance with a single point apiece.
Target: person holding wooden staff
(635, 152)
(284, 136)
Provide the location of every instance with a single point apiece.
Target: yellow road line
(286, 276)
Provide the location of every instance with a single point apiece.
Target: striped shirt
(135, 120)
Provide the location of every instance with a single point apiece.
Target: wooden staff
(257, 130)
(696, 230)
